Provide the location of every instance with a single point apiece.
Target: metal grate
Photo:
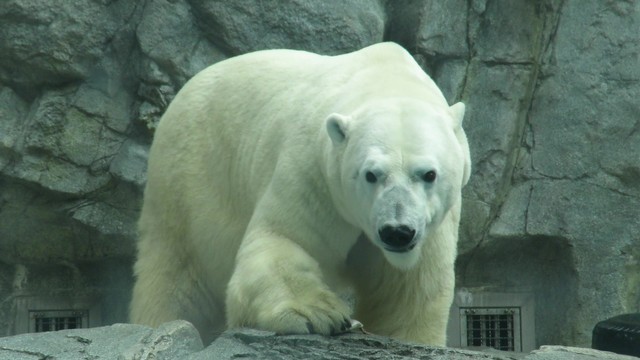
(498, 328)
(42, 321)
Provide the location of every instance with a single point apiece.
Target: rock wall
(553, 120)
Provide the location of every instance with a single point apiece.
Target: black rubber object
(620, 334)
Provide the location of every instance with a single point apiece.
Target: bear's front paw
(320, 313)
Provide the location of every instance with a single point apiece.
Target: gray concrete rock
(327, 27)
(492, 132)
(65, 149)
(557, 197)
(46, 43)
(12, 112)
(130, 164)
(179, 340)
(173, 340)
(572, 353)
(254, 344)
(436, 28)
(584, 120)
(168, 36)
(488, 26)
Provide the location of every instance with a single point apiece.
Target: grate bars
(57, 320)
(498, 328)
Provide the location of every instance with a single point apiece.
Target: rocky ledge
(180, 340)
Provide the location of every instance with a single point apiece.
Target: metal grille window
(42, 321)
(498, 328)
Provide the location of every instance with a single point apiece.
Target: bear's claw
(310, 328)
(346, 324)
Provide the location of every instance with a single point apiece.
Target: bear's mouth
(400, 249)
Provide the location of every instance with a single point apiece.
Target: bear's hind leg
(168, 288)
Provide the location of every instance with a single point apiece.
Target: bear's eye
(370, 177)
(429, 176)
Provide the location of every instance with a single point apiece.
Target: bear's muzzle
(397, 238)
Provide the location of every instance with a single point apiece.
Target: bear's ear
(337, 125)
(457, 112)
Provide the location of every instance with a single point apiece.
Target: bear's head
(397, 168)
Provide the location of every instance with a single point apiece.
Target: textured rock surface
(561, 215)
(175, 340)
(180, 340)
(253, 344)
(553, 121)
(572, 353)
(330, 27)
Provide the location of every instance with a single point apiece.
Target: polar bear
(279, 178)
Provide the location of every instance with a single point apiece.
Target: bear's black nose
(397, 238)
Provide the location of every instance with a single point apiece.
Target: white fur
(256, 197)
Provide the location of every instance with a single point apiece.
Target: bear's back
(291, 85)
(241, 115)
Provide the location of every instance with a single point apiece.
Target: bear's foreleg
(278, 286)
